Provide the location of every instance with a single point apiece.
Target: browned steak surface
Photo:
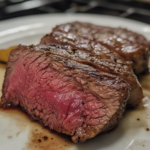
(117, 67)
(68, 95)
(132, 46)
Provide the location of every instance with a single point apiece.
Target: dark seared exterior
(132, 46)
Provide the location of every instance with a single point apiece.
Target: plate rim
(3, 22)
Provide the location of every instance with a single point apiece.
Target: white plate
(131, 134)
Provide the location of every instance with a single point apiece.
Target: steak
(132, 46)
(70, 96)
(117, 67)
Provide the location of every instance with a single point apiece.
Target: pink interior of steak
(59, 101)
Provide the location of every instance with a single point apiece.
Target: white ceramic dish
(131, 134)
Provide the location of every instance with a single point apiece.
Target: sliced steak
(66, 95)
(117, 67)
(132, 46)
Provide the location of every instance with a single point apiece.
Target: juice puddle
(38, 137)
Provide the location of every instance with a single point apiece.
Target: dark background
(137, 10)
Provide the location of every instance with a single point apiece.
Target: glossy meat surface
(132, 46)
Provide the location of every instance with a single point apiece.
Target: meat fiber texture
(119, 67)
(65, 94)
(132, 46)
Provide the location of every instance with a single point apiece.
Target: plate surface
(132, 132)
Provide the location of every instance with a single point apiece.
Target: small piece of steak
(66, 95)
(132, 46)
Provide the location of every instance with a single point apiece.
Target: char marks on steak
(131, 46)
(65, 94)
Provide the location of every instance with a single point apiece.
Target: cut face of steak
(131, 46)
(64, 94)
(118, 67)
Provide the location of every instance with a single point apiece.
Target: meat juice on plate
(16, 126)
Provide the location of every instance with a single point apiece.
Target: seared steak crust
(132, 46)
(63, 93)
